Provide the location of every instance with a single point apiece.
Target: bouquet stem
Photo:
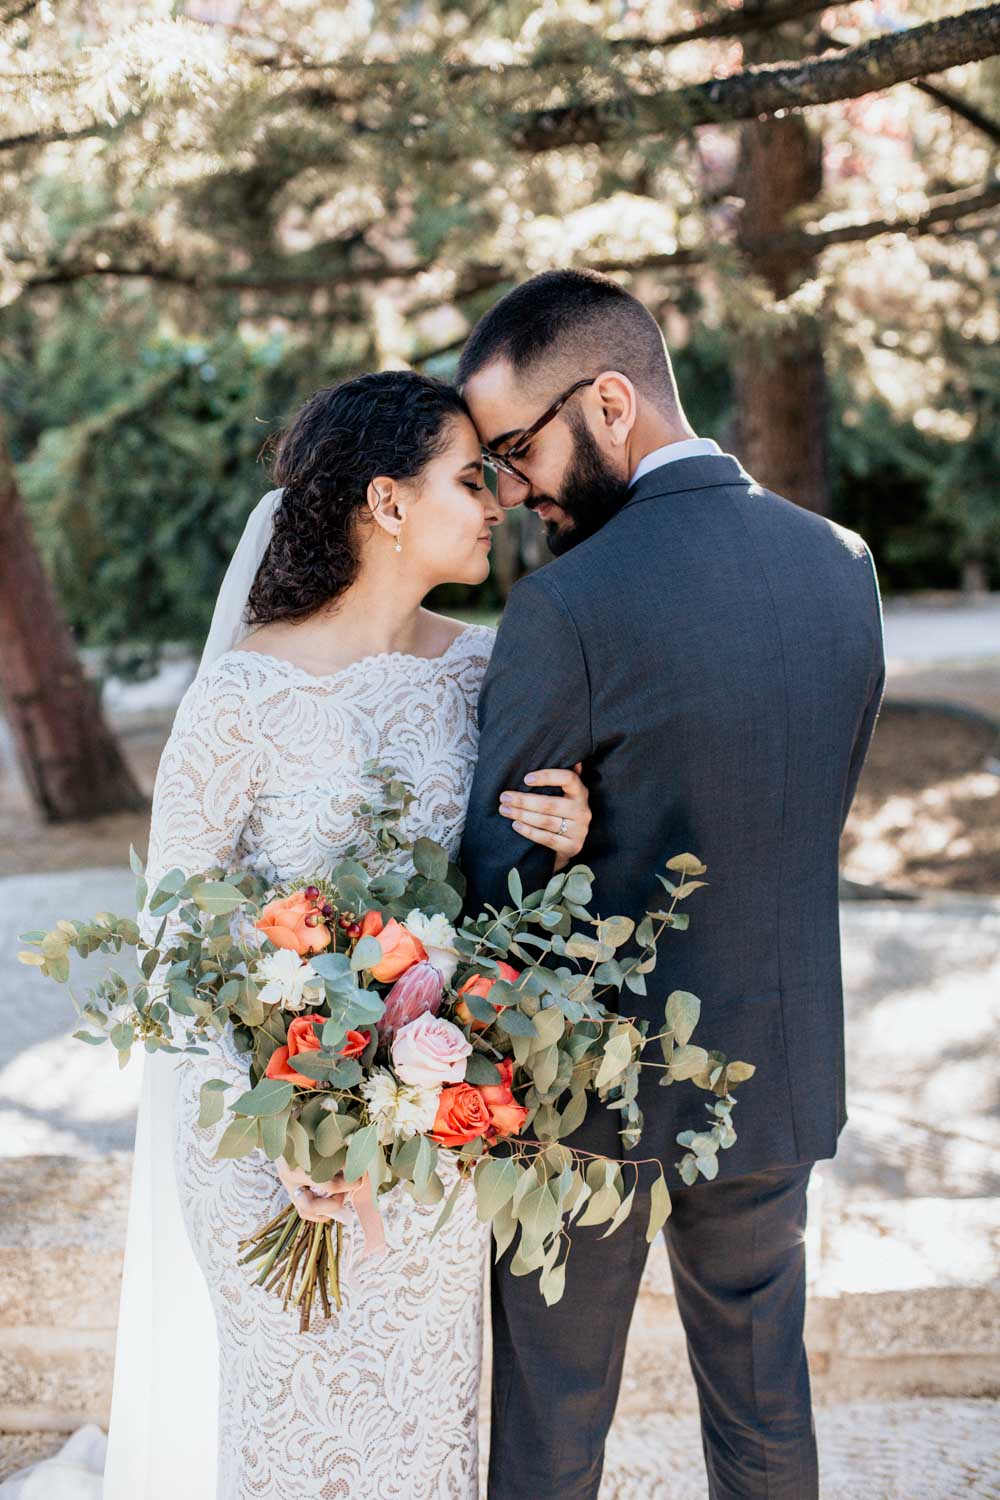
(288, 1244)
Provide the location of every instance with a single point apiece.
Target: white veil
(163, 1436)
(163, 1433)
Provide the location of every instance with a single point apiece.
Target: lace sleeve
(210, 775)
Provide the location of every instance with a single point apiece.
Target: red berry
(354, 930)
(313, 919)
(344, 922)
(326, 909)
(311, 892)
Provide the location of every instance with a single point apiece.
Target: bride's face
(449, 514)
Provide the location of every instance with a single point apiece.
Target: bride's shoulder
(474, 644)
(233, 679)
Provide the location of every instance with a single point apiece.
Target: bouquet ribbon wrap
(359, 1196)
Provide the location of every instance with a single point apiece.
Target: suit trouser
(737, 1254)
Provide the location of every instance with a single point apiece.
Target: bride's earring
(399, 546)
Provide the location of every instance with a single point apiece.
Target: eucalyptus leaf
(495, 1180)
(740, 1071)
(273, 1130)
(430, 860)
(217, 897)
(367, 953)
(659, 1208)
(544, 1066)
(682, 1013)
(239, 1139)
(687, 1062)
(504, 1228)
(603, 1205)
(620, 1215)
(538, 1216)
(553, 1284)
(269, 1097)
(549, 1024)
(515, 1023)
(481, 1072)
(297, 1142)
(212, 1105)
(574, 1114)
(360, 1152)
(617, 1056)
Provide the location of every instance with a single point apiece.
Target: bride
(320, 657)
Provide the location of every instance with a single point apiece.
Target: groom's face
(573, 487)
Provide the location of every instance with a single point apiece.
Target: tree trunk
(69, 756)
(779, 377)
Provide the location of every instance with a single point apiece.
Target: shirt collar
(688, 448)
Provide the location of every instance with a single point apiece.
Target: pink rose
(430, 1051)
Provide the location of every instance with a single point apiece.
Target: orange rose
(481, 984)
(371, 924)
(303, 1036)
(461, 1115)
(400, 949)
(356, 1043)
(507, 1117)
(284, 922)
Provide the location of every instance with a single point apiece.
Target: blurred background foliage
(213, 209)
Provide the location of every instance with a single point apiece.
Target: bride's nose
(492, 511)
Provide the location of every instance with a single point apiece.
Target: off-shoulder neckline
(362, 661)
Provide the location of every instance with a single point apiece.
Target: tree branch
(770, 88)
(944, 210)
(39, 138)
(727, 23)
(473, 279)
(954, 102)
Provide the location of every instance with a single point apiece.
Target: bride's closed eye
(476, 489)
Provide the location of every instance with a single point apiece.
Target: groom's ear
(618, 404)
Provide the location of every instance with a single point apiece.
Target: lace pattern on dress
(264, 768)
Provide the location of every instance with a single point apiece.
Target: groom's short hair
(563, 325)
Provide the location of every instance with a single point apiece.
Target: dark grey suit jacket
(714, 657)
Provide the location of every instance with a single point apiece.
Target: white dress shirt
(687, 448)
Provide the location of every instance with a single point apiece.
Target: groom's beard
(590, 494)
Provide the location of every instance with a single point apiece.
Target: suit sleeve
(873, 703)
(534, 712)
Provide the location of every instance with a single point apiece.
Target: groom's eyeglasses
(502, 461)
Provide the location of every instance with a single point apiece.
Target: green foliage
(137, 503)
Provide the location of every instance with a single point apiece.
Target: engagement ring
(562, 828)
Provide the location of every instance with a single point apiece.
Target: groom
(713, 654)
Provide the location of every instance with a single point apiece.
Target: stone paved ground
(901, 1450)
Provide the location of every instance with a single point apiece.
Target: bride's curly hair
(392, 422)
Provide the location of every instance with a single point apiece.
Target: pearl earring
(399, 546)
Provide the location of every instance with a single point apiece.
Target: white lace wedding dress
(264, 768)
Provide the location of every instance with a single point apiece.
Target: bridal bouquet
(381, 1031)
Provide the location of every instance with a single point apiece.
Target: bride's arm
(210, 775)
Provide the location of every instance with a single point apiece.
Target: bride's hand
(560, 823)
(317, 1201)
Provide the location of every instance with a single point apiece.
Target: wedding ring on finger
(562, 828)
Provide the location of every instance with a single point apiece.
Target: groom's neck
(654, 430)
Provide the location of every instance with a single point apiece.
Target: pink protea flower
(415, 993)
